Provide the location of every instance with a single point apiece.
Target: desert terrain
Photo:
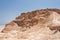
(43, 24)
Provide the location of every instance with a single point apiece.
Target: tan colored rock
(10, 26)
(35, 25)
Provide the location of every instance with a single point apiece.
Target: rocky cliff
(35, 25)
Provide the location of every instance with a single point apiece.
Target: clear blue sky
(9, 9)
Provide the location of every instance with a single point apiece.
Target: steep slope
(30, 19)
(41, 24)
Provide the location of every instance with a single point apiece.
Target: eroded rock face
(55, 23)
(35, 25)
(10, 26)
(48, 17)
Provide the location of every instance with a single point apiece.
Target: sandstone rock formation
(41, 24)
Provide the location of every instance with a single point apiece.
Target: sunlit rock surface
(41, 24)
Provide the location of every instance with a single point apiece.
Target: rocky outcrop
(41, 24)
(30, 19)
